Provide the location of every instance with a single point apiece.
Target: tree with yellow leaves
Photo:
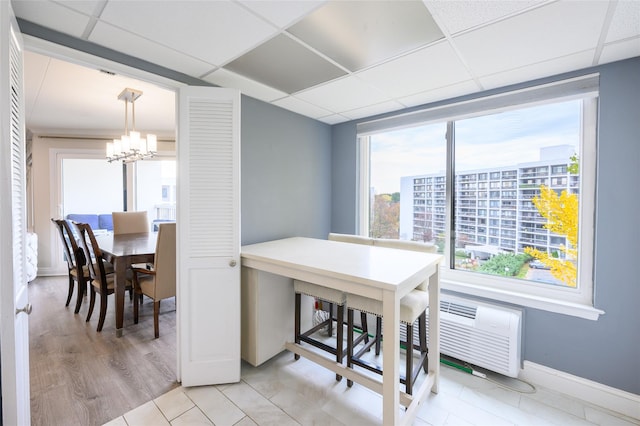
(561, 212)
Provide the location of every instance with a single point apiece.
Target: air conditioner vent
(482, 334)
(458, 309)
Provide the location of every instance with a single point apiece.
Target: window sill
(526, 300)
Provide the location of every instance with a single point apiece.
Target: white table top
(377, 267)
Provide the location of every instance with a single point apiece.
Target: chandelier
(131, 146)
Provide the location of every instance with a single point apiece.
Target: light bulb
(134, 141)
(126, 144)
(117, 147)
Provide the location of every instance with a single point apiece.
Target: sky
(497, 140)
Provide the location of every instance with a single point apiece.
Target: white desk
(380, 273)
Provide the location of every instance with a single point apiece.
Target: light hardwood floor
(82, 377)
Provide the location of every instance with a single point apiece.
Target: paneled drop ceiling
(333, 61)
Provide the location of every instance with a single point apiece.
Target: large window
(79, 194)
(156, 190)
(504, 187)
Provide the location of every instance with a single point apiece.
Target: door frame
(64, 53)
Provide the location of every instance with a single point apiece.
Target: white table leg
(434, 329)
(390, 359)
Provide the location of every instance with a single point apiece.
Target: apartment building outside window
(474, 180)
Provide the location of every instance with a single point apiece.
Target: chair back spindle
(92, 253)
(75, 261)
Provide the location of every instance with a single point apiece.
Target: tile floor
(287, 392)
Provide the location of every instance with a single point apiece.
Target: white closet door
(208, 235)
(14, 298)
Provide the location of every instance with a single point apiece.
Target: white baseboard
(51, 272)
(613, 399)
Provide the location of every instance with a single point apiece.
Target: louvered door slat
(211, 173)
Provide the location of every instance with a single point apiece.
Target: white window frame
(569, 301)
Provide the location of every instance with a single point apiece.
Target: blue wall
(285, 174)
(344, 179)
(607, 350)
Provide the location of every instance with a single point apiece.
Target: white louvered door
(14, 299)
(208, 236)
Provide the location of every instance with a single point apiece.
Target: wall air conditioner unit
(482, 334)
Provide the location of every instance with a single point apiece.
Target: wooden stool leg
(330, 324)
(422, 329)
(349, 342)
(297, 322)
(339, 338)
(409, 358)
(378, 334)
(364, 326)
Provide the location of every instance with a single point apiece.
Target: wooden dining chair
(101, 282)
(159, 282)
(76, 263)
(130, 222)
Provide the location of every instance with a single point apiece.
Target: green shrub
(507, 264)
(461, 253)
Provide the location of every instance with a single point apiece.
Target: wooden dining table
(122, 251)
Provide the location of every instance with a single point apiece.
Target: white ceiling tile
(301, 107)
(51, 15)
(358, 34)
(122, 41)
(621, 50)
(344, 94)
(426, 69)
(213, 31)
(225, 78)
(461, 15)
(284, 12)
(333, 119)
(88, 7)
(539, 70)
(285, 64)
(552, 31)
(372, 110)
(441, 93)
(625, 22)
